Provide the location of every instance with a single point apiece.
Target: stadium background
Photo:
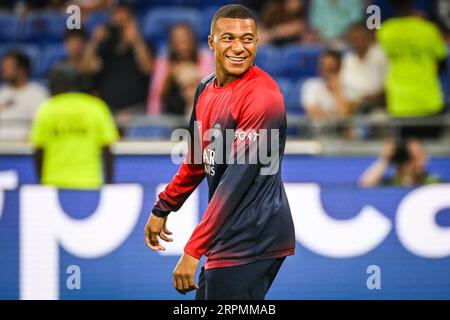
(325, 160)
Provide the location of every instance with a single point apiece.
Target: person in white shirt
(19, 98)
(324, 97)
(364, 69)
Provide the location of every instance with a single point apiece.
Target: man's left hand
(184, 274)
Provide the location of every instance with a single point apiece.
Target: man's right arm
(190, 174)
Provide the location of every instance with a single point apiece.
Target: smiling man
(247, 230)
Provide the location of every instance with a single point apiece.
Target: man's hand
(156, 227)
(389, 149)
(184, 273)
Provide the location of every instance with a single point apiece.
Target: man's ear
(210, 42)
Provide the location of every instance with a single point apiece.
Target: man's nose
(237, 46)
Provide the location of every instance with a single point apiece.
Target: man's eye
(226, 38)
(248, 40)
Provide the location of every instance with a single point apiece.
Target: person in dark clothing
(247, 224)
(121, 61)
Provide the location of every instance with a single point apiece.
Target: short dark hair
(401, 154)
(332, 53)
(403, 6)
(21, 59)
(125, 5)
(63, 78)
(234, 11)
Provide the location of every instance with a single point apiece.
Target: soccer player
(247, 230)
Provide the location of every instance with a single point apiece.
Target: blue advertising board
(352, 243)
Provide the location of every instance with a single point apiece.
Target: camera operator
(409, 160)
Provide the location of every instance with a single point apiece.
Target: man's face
(328, 66)
(234, 44)
(120, 17)
(182, 41)
(359, 39)
(9, 69)
(74, 46)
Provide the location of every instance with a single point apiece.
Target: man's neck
(225, 79)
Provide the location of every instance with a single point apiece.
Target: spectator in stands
(19, 97)
(75, 44)
(72, 133)
(282, 23)
(121, 61)
(324, 97)
(332, 18)
(416, 51)
(364, 69)
(442, 15)
(183, 56)
(409, 160)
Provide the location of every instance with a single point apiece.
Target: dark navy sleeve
(190, 174)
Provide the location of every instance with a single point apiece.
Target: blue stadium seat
(268, 58)
(205, 24)
(96, 18)
(148, 132)
(8, 27)
(158, 21)
(50, 55)
(297, 91)
(300, 61)
(204, 3)
(287, 89)
(32, 51)
(44, 27)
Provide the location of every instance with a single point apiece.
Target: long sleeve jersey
(238, 134)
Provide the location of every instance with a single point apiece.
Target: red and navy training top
(248, 216)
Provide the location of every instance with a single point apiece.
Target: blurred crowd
(147, 57)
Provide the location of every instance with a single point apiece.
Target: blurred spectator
(170, 72)
(75, 44)
(409, 160)
(323, 97)
(442, 16)
(122, 61)
(19, 98)
(88, 6)
(415, 51)
(71, 133)
(282, 23)
(364, 69)
(332, 18)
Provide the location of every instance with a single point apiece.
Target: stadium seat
(158, 21)
(44, 27)
(268, 58)
(32, 51)
(296, 95)
(291, 94)
(300, 61)
(205, 24)
(8, 27)
(50, 55)
(287, 87)
(96, 18)
(148, 132)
